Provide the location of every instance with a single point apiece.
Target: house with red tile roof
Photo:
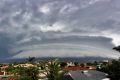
(75, 68)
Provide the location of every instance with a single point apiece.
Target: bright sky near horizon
(59, 28)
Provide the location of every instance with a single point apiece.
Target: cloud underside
(59, 28)
(66, 50)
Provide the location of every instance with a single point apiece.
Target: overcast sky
(59, 28)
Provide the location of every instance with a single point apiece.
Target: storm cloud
(59, 28)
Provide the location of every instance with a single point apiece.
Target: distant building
(85, 75)
(25, 65)
(74, 68)
(2, 70)
(70, 64)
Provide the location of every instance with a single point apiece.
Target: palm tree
(54, 70)
(30, 59)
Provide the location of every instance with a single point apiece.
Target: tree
(54, 70)
(30, 59)
(82, 65)
(113, 69)
(22, 73)
(76, 63)
(63, 64)
(30, 73)
(117, 48)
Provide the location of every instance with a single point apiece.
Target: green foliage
(12, 70)
(63, 64)
(112, 69)
(117, 48)
(31, 59)
(54, 70)
(30, 73)
(23, 73)
(82, 65)
(76, 63)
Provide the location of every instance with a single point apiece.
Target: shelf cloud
(59, 28)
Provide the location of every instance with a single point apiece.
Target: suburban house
(75, 68)
(85, 75)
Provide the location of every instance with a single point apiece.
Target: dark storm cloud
(93, 23)
(6, 44)
(81, 40)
